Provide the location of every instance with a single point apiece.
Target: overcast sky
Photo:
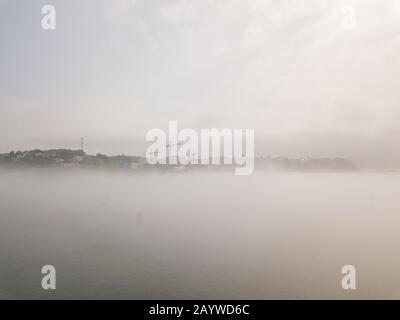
(307, 77)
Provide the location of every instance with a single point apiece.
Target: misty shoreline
(78, 159)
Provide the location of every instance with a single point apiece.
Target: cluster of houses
(69, 159)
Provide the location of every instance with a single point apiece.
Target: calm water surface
(122, 235)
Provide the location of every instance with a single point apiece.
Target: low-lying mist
(198, 235)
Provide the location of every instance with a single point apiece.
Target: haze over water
(198, 235)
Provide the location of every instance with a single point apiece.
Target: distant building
(77, 159)
(39, 155)
(50, 154)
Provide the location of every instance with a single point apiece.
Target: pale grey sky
(305, 77)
